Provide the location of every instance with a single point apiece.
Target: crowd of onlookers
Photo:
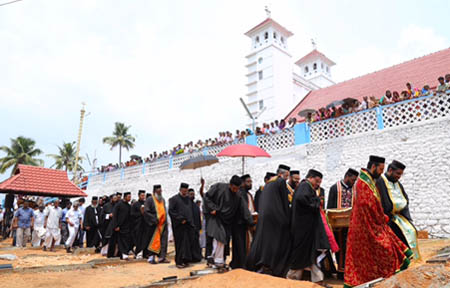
(350, 105)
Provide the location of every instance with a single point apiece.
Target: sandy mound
(422, 276)
(243, 278)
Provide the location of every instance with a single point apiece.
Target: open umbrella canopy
(304, 113)
(243, 150)
(135, 157)
(199, 162)
(350, 100)
(335, 104)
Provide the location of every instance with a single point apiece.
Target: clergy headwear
(294, 172)
(141, 192)
(284, 167)
(190, 190)
(351, 172)
(314, 173)
(148, 195)
(119, 194)
(156, 187)
(184, 185)
(112, 195)
(126, 194)
(269, 175)
(244, 177)
(236, 180)
(397, 165)
(377, 159)
(94, 198)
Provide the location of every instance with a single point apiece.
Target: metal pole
(243, 165)
(80, 131)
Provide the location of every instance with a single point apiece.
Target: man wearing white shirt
(53, 215)
(73, 218)
(38, 227)
(82, 209)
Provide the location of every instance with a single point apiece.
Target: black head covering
(294, 172)
(284, 167)
(156, 187)
(141, 191)
(184, 185)
(236, 180)
(112, 195)
(126, 194)
(314, 173)
(269, 175)
(119, 194)
(352, 172)
(94, 198)
(244, 177)
(190, 190)
(148, 195)
(398, 165)
(377, 159)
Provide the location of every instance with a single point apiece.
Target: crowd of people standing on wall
(350, 105)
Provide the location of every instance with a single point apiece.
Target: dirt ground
(141, 274)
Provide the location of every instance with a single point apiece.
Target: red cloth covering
(373, 250)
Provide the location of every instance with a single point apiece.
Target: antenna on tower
(268, 12)
(314, 44)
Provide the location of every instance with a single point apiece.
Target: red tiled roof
(32, 180)
(419, 72)
(274, 23)
(314, 55)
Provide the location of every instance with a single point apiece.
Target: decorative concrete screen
(352, 124)
(281, 140)
(177, 160)
(158, 166)
(416, 110)
(214, 150)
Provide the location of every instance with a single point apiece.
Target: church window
(306, 69)
(274, 35)
(260, 60)
(282, 39)
(321, 65)
(261, 104)
(266, 35)
(315, 66)
(260, 75)
(328, 70)
(257, 39)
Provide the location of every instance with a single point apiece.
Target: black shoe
(44, 249)
(181, 266)
(210, 261)
(164, 260)
(68, 250)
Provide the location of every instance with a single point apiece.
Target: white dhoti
(37, 236)
(218, 252)
(52, 233)
(73, 230)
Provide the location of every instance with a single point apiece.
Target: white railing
(351, 124)
(416, 110)
(280, 140)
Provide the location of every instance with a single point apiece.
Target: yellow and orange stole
(155, 243)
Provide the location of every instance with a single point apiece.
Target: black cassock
(271, 244)
(257, 197)
(121, 219)
(239, 232)
(196, 249)
(180, 210)
(137, 219)
(92, 217)
(106, 229)
(307, 228)
(150, 221)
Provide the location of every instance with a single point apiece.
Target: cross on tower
(268, 12)
(313, 43)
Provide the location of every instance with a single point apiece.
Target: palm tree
(120, 138)
(22, 151)
(66, 157)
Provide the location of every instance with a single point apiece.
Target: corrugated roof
(32, 180)
(419, 72)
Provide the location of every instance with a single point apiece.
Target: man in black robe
(106, 217)
(261, 189)
(196, 249)
(400, 220)
(180, 211)
(121, 223)
(340, 196)
(270, 248)
(91, 224)
(137, 218)
(222, 202)
(241, 232)
(307, 229)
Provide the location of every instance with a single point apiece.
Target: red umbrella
(243, 150)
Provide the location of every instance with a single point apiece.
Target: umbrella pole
(243, 165)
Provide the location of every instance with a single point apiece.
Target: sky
(174, 70)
